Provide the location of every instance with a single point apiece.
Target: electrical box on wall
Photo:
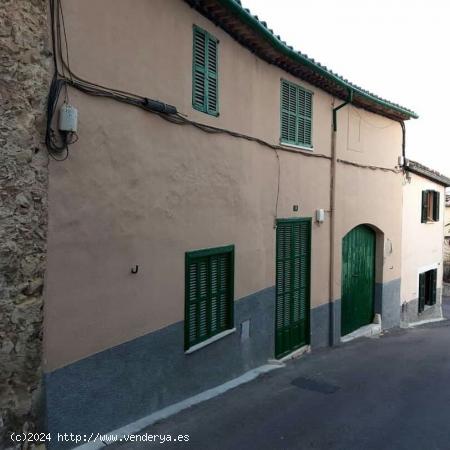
(68, 118)
(320, 215)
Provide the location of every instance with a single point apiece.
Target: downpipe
(332, 215)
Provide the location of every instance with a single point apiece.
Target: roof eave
(325, 79)
(425, 172)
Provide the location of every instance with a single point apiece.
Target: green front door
(293, 254)
(358, 278)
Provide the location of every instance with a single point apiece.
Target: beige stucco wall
(369, 196)
(138, 190)
(422, 243)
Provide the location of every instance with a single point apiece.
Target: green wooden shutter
(212, 84)
(424, 206)
(199, 75)
(209, 293)
(205, 96)
(305, 117)
(296, 114)
(288, 112)
(292, 285)
(436, 205)
(421, 292)
(302, 253)
(433, 283)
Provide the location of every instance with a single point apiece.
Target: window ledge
(297, 147)
(215, 338)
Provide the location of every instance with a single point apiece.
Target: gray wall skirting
(125, 383)
(410, 310)
(386, 303)
(390, 303)
(322, 335)
(320, 326)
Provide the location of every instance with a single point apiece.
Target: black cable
(165, 111)
(65, 35)
(53, 156)
(56, 86)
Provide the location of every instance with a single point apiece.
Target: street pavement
(390, 392)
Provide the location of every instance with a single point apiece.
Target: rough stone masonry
(24, 78)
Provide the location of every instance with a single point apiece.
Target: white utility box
(68, 118)
(320, 215)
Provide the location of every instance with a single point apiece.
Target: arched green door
(358, 279)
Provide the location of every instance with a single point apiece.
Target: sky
(397, 49)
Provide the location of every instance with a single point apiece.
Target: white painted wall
(422, 243)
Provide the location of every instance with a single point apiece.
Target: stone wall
(24, 78)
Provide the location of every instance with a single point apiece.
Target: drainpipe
(332, 214)
(402, 124)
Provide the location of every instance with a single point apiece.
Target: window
(209, 293)
(205, 96)
(296, 115)
(430, 206)
(427, 289)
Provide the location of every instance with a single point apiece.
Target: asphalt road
(391, 392)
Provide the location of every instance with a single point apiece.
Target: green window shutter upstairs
(212, 84)
(296, 115)
(205, 83)
(209, 293)
(436, 205)
(305, 117)
(424, 206)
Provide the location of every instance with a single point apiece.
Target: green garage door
(358, 278)
(292, 285)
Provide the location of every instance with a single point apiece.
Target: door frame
(308, 295)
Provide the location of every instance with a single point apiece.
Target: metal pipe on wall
(333, 215)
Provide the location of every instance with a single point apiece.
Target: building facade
(184, 252)
(422, 243)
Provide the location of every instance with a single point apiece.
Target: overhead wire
(167, 112)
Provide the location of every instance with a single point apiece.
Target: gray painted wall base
(125, 383)
(410, 311)
(390, 303)
(140, 424)
(446, 289)
(121, 385)
(322, 334)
